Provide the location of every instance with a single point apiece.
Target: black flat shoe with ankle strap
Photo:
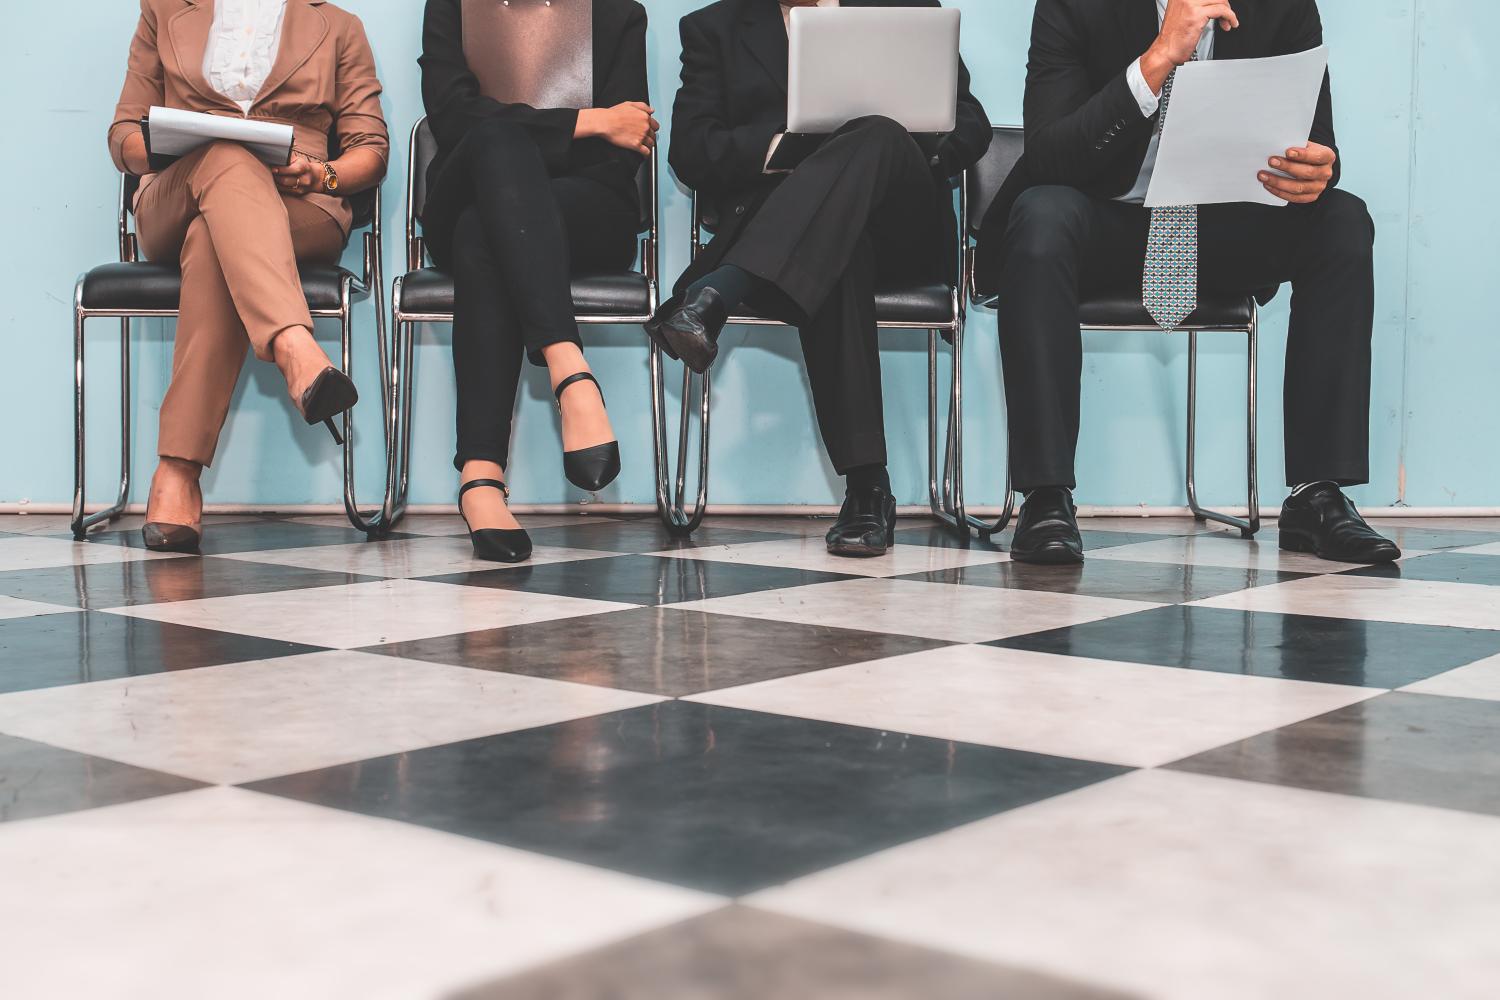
(505, 545)
(594, 468)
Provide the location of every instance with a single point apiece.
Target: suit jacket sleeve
(626, 80)
(144, 86)
(970, 139)
(360, 124)
(708, 152)
(1305, 31)
(1072, 132)
(450, 92)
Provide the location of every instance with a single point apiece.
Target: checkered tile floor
(304, 765)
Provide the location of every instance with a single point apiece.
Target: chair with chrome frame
(425, 295)
(939, 308)
(1216, 313)
(135, 289)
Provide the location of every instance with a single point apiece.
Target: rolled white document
(173, 133)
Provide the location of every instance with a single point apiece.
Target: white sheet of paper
(1226, 118)
(176, 133)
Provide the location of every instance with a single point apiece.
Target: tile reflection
(711, 798)
(1297, 647)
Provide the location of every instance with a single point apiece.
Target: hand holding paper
(1226, 117)
(1307, 171)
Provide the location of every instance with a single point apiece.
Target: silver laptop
(899, 62)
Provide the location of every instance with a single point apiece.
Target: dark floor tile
(640, 579)
(711, 798)
(41, 780)
(1418, 748)
(1432, 539)
(739, 953)
(661, 651)
(53, 650)
(644, 535)
(939, 536)
(1160, 583)
(1444, 567)
(252, 536)
(1298, 647)
(160, 581)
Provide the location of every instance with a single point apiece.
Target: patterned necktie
(1169, 283)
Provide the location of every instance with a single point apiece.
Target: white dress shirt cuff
(1144, 97)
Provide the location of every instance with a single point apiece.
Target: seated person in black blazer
(810, 246)
(520, 198)
(1070, 222)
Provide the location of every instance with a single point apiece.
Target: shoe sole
(690, 350)
(1048, 557)
(1291, 541)
(653, 330)
(855, 551)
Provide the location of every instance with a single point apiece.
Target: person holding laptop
(808, 242)
(237, 227)
(1070, 221)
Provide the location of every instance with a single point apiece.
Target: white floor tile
(404, 558)
(1185, 887)
(811, 553)
(366, 614)
(14, 607)
(1222, 550)
(928, 610)
(1115, 713)
(32, 552)
(1491, 549)
(228, 894)
(247, 721)
(1477, 680)
(1415, 602)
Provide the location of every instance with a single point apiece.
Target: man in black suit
(808, 246)
(1070, 221)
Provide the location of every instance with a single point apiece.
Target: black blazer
(450, 93)
(1083, 126)
(733, 102)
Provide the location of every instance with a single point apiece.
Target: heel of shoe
(333, 429)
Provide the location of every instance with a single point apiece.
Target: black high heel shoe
(159, 536)
(506, 545)
(594, 468)
(331, 394)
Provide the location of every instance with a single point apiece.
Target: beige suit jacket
(323, 83)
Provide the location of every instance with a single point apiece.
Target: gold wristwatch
(330, 178)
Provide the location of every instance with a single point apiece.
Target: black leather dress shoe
(690, 330)
(1324, 522)
(866, 525)
(1047, 533)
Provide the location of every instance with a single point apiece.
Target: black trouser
(512, 236)
(1062, 244)
(857, 213)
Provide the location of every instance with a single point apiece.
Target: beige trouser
(239, 240)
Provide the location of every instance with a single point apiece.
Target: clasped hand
(629, 125)
(301, 176)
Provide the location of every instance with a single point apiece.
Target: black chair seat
(1232, 311)
(430, 292)
(147, 286)
(917, 306)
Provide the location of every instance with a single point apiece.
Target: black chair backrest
(424, 149)
(989, 174)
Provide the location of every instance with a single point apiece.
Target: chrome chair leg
(953, 485)
(398, 473)
(1247, 527)
(671, 491)
(82, 522)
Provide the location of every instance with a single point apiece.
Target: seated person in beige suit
(240, 228)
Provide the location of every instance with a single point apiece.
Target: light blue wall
(1415, 87)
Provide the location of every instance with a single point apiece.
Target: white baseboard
(752, 510)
